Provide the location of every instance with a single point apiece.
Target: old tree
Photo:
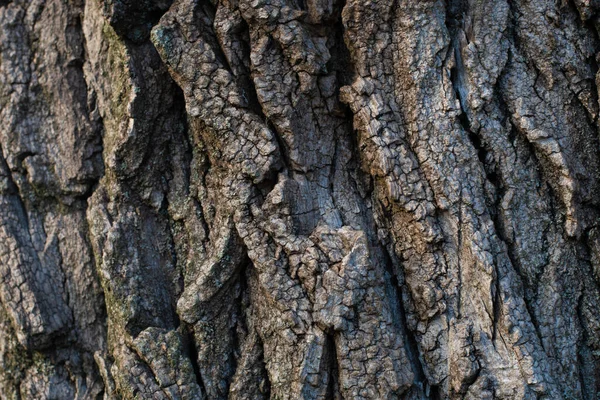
(299, 199)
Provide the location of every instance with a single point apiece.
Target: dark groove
(333, 389)
(208, 33)
(491, 173)
(239, 316)
(459, 244)
(590, 29)
(245, 81)
(91, 108)
(92, 186)
(589, 23)
(435, 393)
(192, 352)
(496, 303)
(301, 4)
(454, 13)
(251, 278)
(13, 189)
(585, 391)
(410, 343)
(283, 151)
(587, 372)
(588, 251)
(455, 10)
(340, 61)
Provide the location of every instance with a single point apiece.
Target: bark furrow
(299, 199)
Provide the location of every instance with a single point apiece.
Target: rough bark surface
(299, 199)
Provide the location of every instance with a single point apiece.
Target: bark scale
(285, 199)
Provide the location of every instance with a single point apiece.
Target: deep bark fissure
(13, 188)
(192, 353)
(582, 347)
(332, 368)
(359, 253)
(459, 250)
(434, 392)
(411, 344)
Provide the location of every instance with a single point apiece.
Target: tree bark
(299, 199)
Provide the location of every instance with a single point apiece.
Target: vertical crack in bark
(324, 302)
(410, 344)
(587, 393)
(492, 177)
(588, 349)
(588, 20)
(496, 180)
(192, 352)
(333, 390)
(459, 241)
(12, 187)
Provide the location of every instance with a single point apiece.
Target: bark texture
(299, 199)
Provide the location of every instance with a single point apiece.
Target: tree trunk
(299, 199)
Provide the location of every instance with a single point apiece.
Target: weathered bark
(299, 199)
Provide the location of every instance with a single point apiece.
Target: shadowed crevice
(397, 288)
(192, 353)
